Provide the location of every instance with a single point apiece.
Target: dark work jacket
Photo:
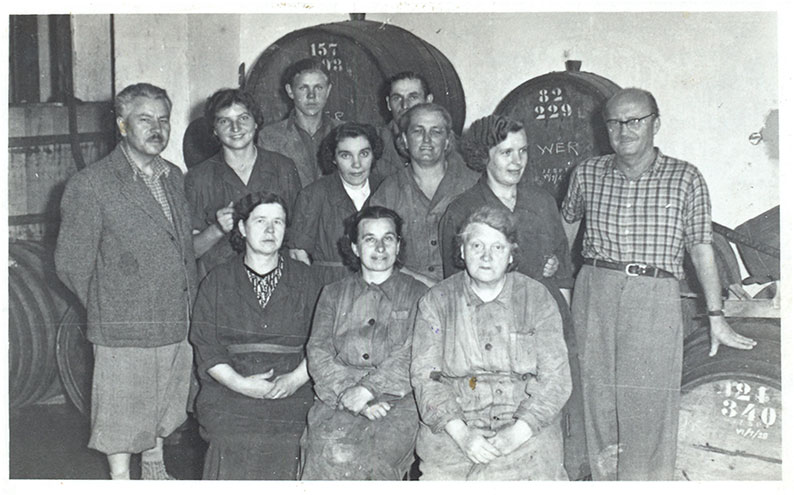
(540, 231)
(212, 184)
(227, 312)
(318, 223)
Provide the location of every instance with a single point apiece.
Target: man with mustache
(298, 137)
(421, 191)
(125, 248)
(642, 209)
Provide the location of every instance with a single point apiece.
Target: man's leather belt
(631, 269)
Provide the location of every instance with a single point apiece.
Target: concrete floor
(49, 442)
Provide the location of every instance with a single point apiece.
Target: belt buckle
(640, 269)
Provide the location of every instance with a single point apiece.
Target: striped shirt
(153, 182)
(650, 219)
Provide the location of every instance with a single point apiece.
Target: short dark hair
(242, 210)
(351, 233)
(654, 107)
(123, 100)
(224, 98)
(497, 218)
(408, 74)
(484, 134)
(343, 131)
(312, 64)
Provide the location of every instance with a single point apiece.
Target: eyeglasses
(614, 125)
(387, 240)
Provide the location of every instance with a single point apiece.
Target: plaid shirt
(650, 219)
(153, 183)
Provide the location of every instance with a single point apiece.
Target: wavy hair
(484, 134)
(327, 152)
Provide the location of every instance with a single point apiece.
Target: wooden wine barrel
(41, 160)
(360, 55)
(198, 143)
(561, 112)
(728, 271)
(75, 356)
(764, 228)
(36, 302)
(731, 410)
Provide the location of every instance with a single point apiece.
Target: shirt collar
(472, 299)
(158, 166)
(325, 122)
(392, 126)
(609, 164)
(388, 288)
(357, 192)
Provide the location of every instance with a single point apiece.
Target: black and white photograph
(310, 242)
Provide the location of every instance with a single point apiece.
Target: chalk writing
(570, 147)
(751, 433)
(553, 175)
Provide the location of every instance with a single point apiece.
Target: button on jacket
(540, 232)
(132, 267)
(212, 185)
(421, 250)
(287, 138)
(511, 346)
(361, 335)
(489, 364)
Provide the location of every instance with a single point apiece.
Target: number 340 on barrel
(753, 405)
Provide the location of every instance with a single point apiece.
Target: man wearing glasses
(642, 209)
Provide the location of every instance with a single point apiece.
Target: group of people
(332, 298)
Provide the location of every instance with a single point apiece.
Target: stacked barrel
(37, 301)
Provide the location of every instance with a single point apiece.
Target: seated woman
(240, 168)
(363, 422)
(489, 366)
(347, 155)
(497, 146)
(250, 323)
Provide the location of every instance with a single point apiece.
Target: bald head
(632, 119)
(635, 95)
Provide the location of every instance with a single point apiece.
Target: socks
(154, 454)
(154, 471)
(123, 475)
(152, 464)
